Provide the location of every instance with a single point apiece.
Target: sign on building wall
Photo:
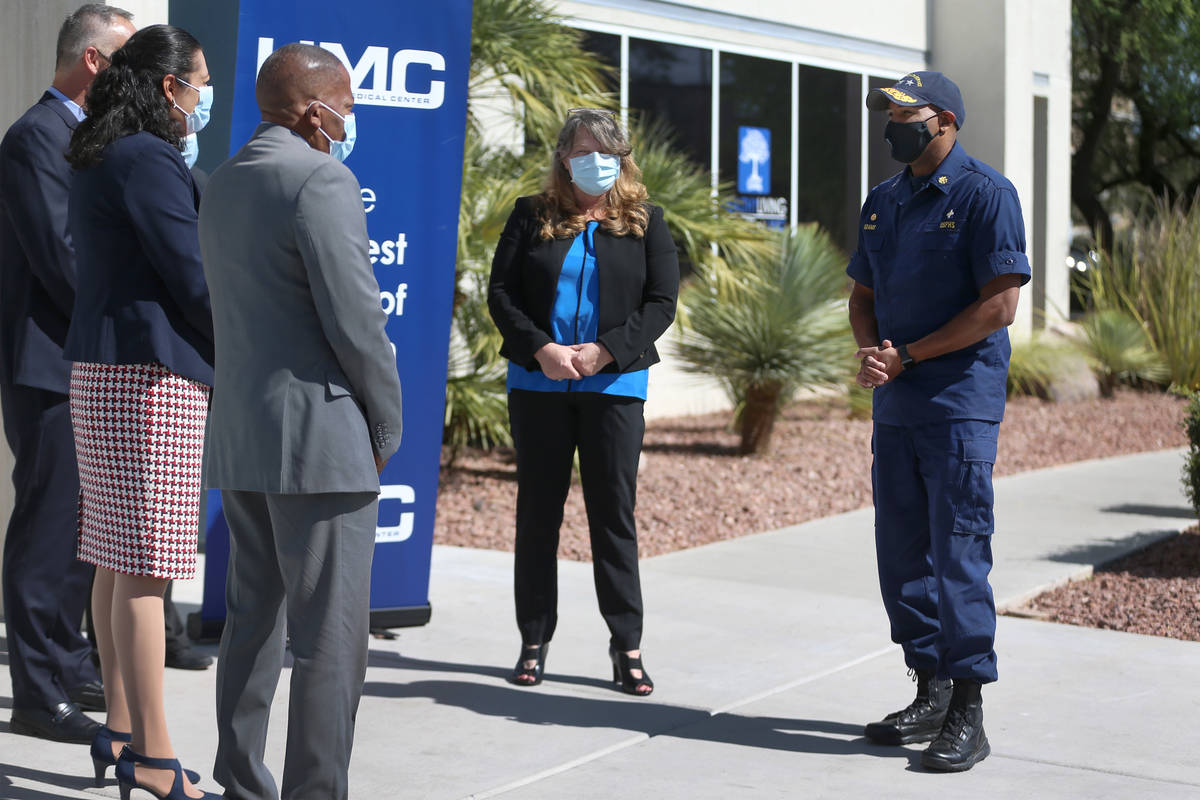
(754, 179)
(754, 160)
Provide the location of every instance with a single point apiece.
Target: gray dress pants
(299, 564)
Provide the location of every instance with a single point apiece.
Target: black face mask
(908, 139)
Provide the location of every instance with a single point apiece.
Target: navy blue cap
(921, 89)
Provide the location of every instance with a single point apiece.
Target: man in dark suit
(45, 588)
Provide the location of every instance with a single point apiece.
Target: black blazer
(141, 293)
(638, 286)
(37, 260)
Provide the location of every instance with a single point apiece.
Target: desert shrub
(1034, 364)
(1191, 467)
(1152, 273)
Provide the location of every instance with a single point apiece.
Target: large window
(808, 172)
(607, 46)
(756, 135)
(673, 83)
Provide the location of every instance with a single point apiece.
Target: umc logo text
(375, 62)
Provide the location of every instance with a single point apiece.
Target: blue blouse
(573, 320)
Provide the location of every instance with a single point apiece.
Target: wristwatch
(906, 361)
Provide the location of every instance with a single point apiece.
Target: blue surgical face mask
(340, 150)
(198, 117)
(595, 173)
(191, 150)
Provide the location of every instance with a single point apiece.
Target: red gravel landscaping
(694, 488)
(1155, 591)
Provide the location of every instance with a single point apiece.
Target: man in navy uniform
(939, 265)
(45, 588)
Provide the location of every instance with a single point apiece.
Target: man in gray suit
(305, 412)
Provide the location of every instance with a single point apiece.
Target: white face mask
(595, 173)
(340, 149)
(197, 118)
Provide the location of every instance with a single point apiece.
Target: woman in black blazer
(584, 280)
(141, 338)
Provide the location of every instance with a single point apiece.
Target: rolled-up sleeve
(998, 236)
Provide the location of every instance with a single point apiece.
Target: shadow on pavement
(540, 706)
(10, 792)
(384, 658)
(1174, 512)
(1101, 551)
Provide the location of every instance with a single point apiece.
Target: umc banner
(408, 64)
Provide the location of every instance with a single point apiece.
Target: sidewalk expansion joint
(1101, 770)
(645, 737)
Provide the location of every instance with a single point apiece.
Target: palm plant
(1119, 349)
(778, 325)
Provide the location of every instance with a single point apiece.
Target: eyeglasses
(602, 111)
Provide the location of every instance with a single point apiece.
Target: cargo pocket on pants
(973, 498)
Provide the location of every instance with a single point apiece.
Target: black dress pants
(607, 429)
(45, 588)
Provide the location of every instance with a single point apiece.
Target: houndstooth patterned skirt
(139, 438)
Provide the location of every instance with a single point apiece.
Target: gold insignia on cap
(874, 217)
(914, 76)
(943, 180)
(898, 95)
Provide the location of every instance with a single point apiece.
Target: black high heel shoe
(536, 672)
(127, 779)
(623, 665)
(103, 758)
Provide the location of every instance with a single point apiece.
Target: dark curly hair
(128, 97)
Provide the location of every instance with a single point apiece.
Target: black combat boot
(921, 720)
(961, 744)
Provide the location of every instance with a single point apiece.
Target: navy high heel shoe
(102, 757)
(127, 779)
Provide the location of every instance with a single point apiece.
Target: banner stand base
(200, 629)
(406, 617)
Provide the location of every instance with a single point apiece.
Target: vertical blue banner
(408, 63)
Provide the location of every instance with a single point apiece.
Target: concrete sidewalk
(770, 652)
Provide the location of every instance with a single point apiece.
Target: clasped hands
(877, 365)
(572, 361)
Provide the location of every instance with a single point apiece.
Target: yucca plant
(1153, 273)
(1118, 349)
(779, 325)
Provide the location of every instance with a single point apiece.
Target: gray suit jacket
(305, 388)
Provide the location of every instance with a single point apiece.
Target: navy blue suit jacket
(141, 293)
(37, 261)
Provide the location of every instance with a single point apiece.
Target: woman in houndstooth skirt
(142, 342)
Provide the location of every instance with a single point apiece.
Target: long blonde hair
(626, 213)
